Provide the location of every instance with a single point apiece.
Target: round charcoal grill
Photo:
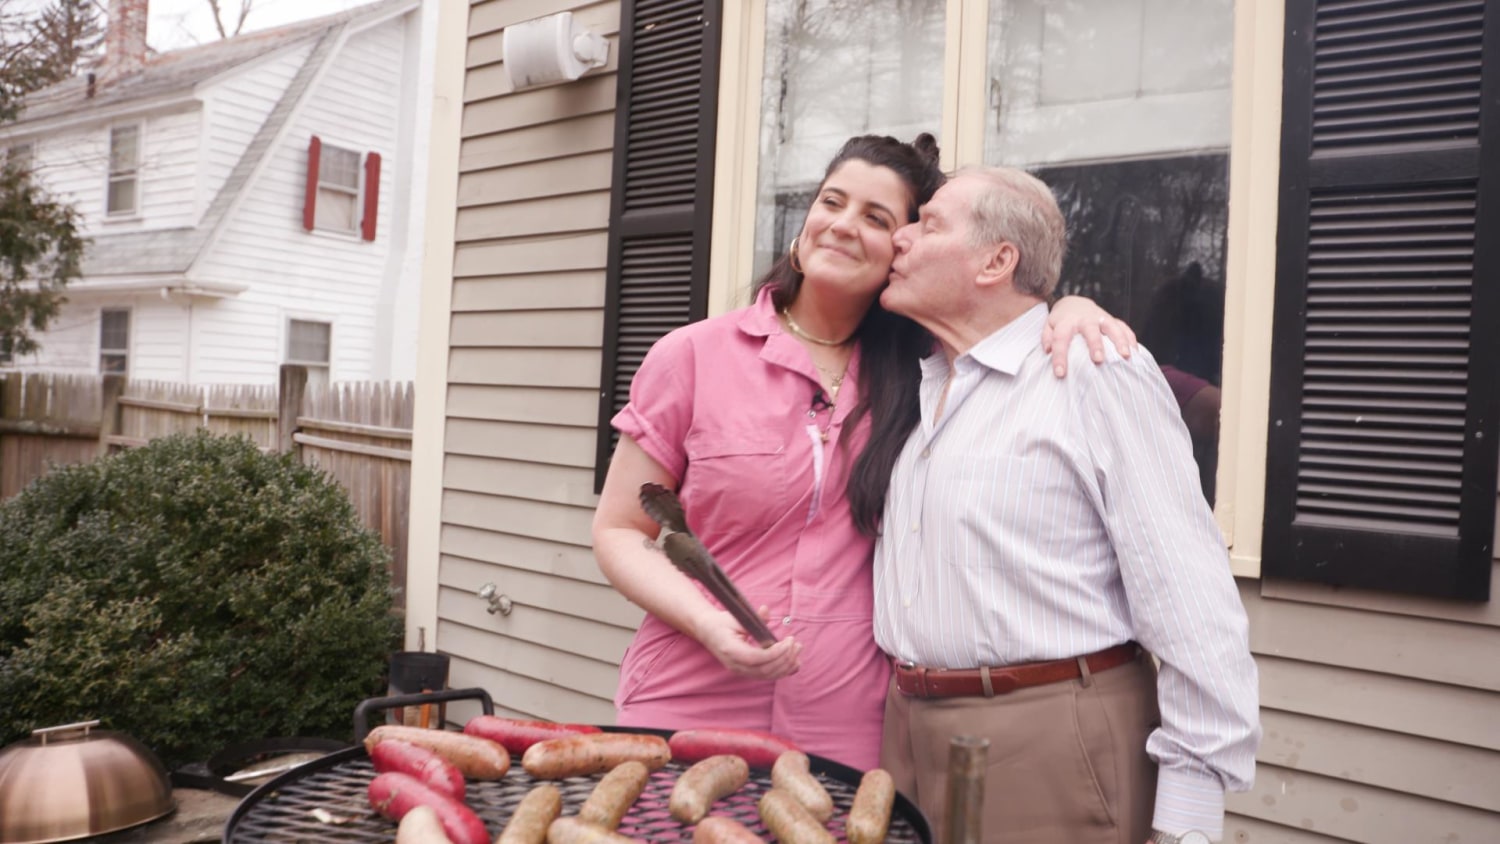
(325, 800)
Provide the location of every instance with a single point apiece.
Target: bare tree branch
(213, 5)
(239, 17)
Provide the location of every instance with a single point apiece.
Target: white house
(249, 202)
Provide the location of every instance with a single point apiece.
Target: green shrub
(193, 593)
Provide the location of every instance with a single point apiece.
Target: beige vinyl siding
(523, 379)
(1379, 717)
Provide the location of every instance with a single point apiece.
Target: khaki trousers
(1066, 763)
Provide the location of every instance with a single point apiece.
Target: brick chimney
(125, 39)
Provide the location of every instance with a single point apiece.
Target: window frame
(113, 351)
(289, 323)
(132, 174)
(356, 194)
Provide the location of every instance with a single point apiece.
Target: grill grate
(286, 809)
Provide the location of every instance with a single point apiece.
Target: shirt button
(915, 527)
(812, 414)
(786, 621)
(926, 452)
(906, 602)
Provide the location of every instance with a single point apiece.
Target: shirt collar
(759, 320)
(1008, 348)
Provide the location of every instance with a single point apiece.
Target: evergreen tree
(40, 246)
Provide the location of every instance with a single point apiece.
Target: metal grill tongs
(688, 554)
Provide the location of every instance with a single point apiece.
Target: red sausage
(517, 735)
(407, 758)
(758, 749)
(395, 794)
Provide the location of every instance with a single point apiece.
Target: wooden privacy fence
(357, 432)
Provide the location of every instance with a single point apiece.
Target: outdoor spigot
(499, 603)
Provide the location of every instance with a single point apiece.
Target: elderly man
(1041, 538)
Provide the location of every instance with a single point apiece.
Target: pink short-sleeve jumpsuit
(731, 407)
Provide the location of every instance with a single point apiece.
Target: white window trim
(109, 175)
(359, 191)
(287, 317)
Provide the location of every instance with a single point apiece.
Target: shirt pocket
(735, 483)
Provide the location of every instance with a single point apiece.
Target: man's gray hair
(1019, 208)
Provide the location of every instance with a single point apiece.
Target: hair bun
(926, 147)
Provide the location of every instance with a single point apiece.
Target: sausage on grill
(703, 783)
(475, 757)
(758, 749)
(595, 753)
(614, 795)
(421, 826)
(425, 765)
(536, 811)
(575, 831)
(516, 735)
(870, 816)
(790, 821)
(791, 774)
(718, 829)
(394, 795)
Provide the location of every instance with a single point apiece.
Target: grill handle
(363, 711)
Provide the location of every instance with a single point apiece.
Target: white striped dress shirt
(1043, 518)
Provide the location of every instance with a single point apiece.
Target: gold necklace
(835, 380)
(796, 329)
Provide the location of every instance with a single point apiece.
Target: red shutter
(310, 196)
(372, 195)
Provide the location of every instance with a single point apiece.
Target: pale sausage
(703, 783)
(583, 755)
(870, 816)
(791, 774)
(614, 795)
(536, 811)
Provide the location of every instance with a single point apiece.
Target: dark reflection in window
(1146, 240)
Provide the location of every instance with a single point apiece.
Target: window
(310, 344)
(114, 341)
(124, 171)
(338, 190)
(332, 198)
(1122, 107)
(1381, 454)
(887, 56)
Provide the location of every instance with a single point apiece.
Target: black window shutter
(661, 199)
(1382, 455)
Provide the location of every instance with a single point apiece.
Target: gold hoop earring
(791, 255)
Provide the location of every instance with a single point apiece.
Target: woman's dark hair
(891, 346)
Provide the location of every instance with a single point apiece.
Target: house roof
(173, 251)
(179, 71)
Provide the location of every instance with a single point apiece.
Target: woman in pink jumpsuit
(758, 418)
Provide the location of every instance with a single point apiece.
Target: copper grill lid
(74, 781)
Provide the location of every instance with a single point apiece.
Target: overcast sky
(174, 24)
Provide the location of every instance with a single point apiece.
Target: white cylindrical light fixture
(551, 49)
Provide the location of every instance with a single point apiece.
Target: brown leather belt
(917, 681)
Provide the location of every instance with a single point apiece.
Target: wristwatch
(1190, 837)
